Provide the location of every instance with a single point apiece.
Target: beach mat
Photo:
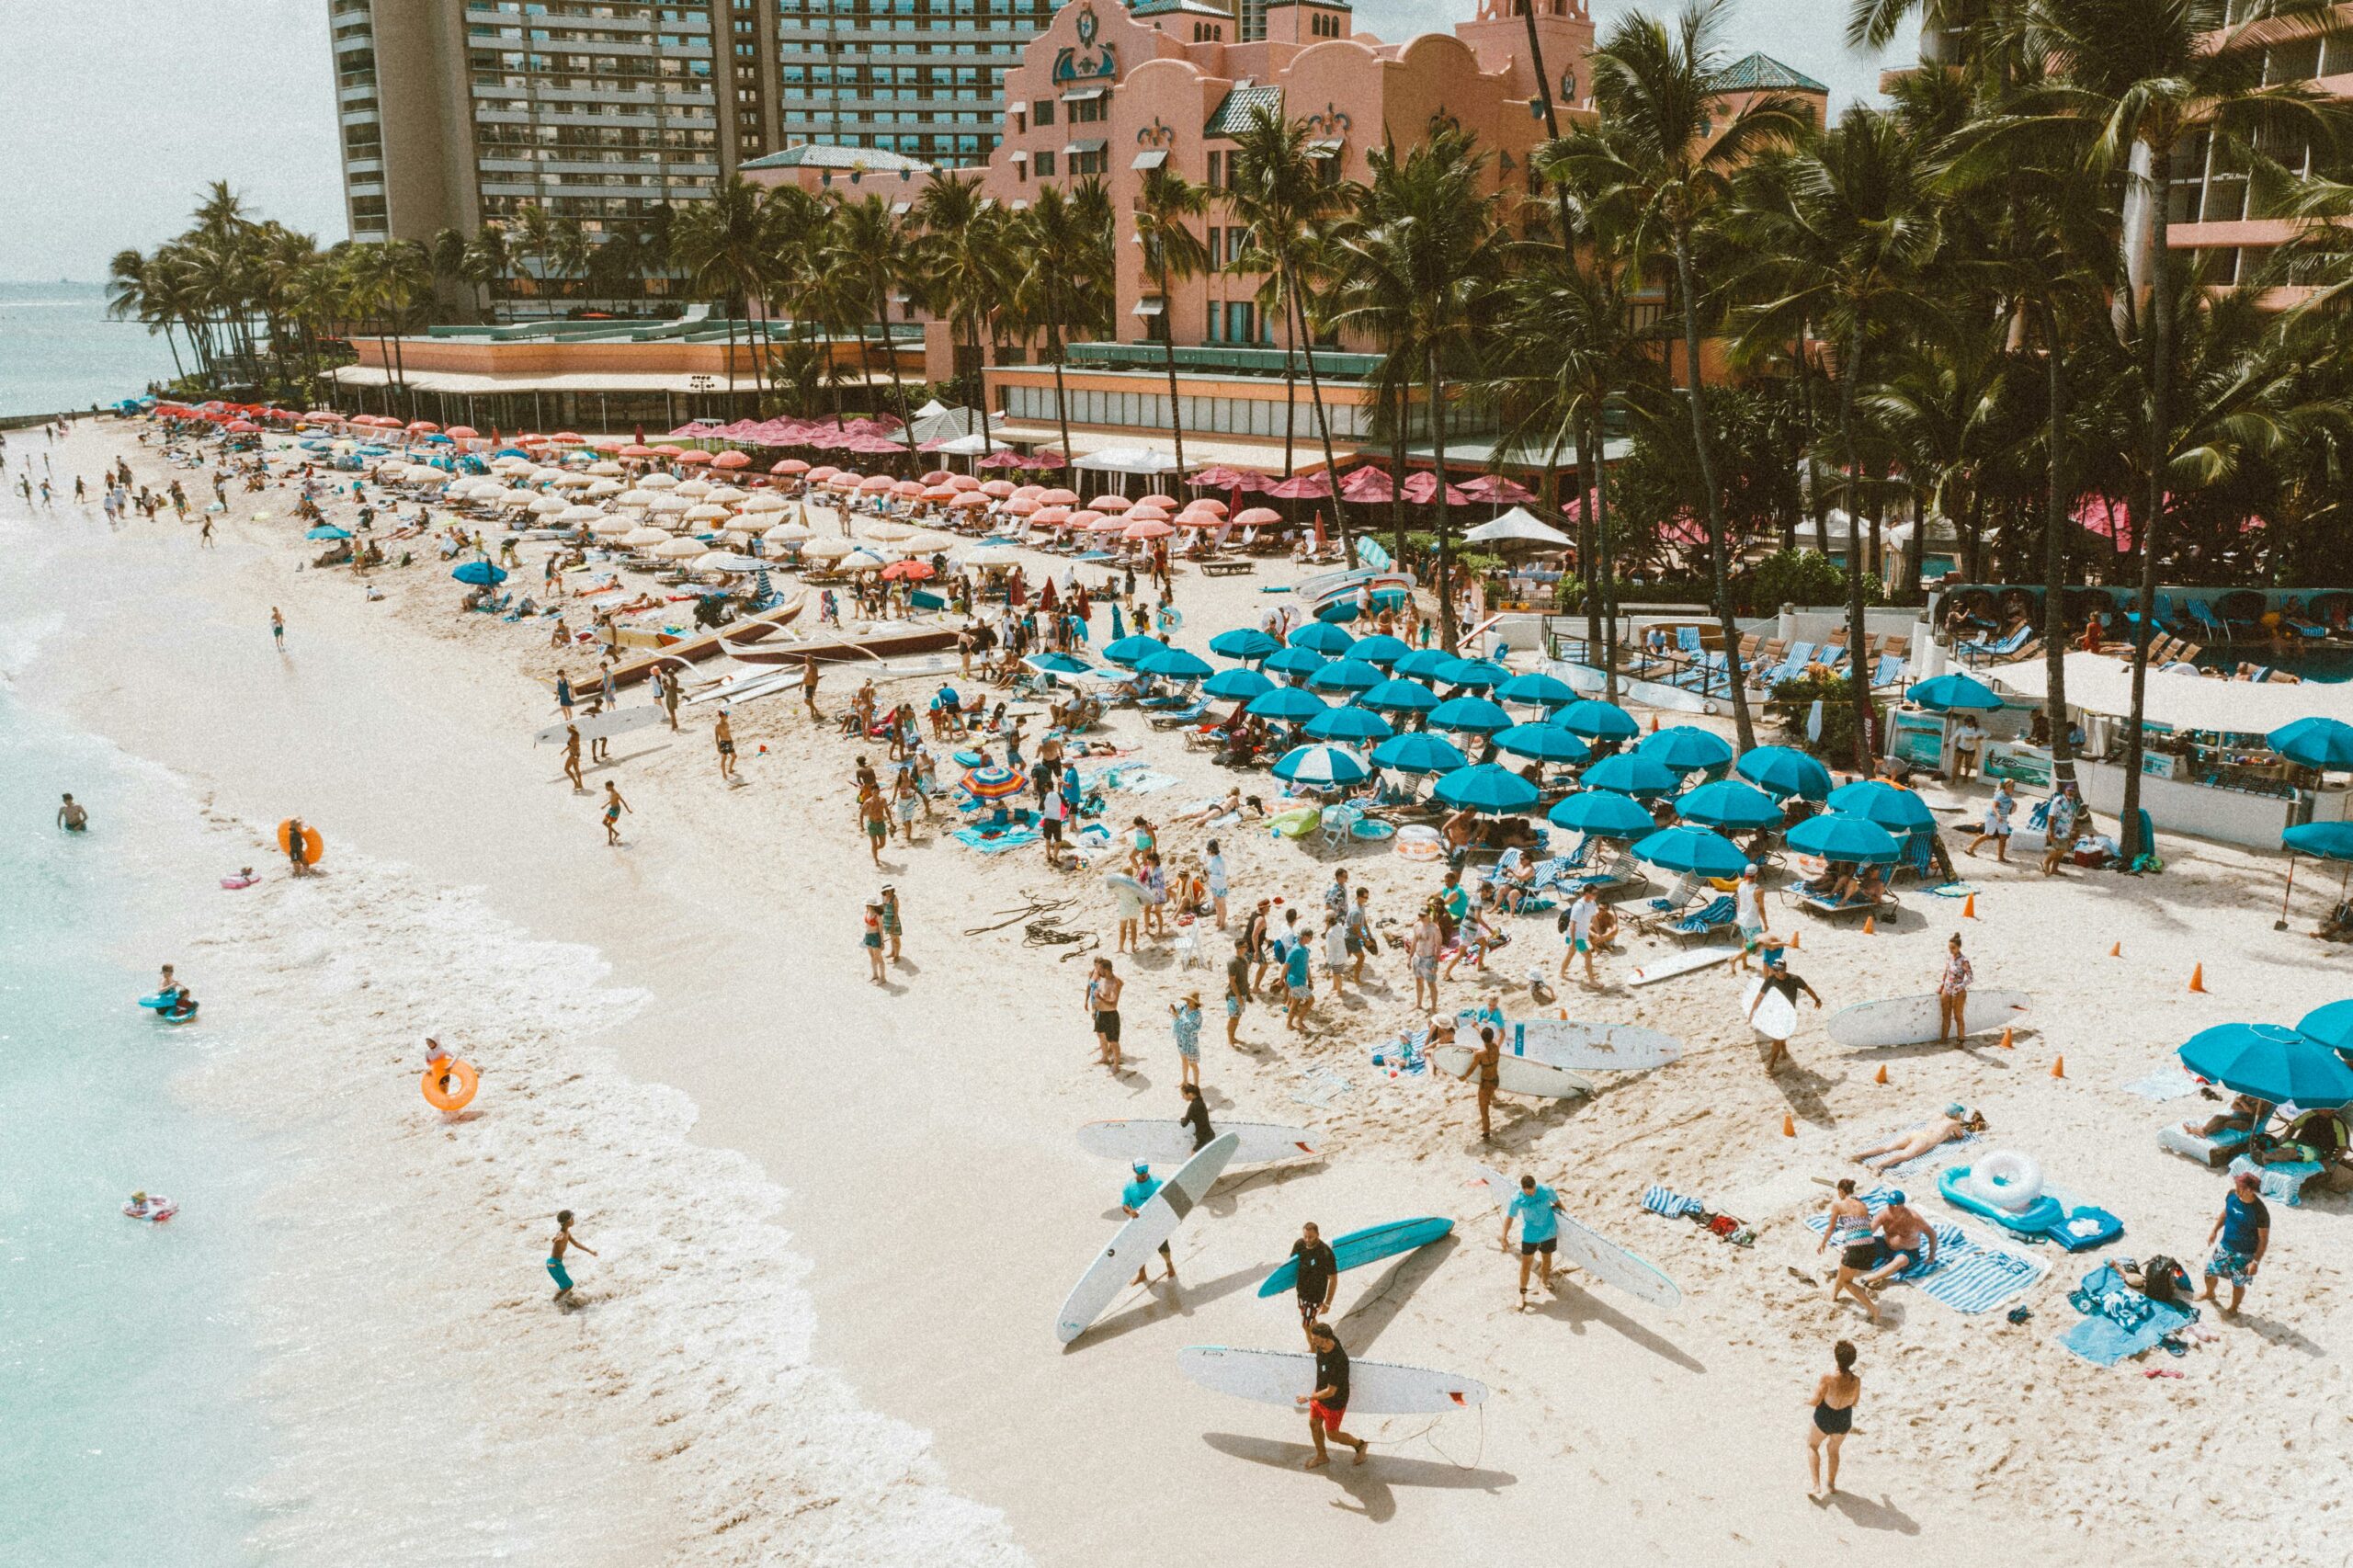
(994, 843)
(2100, 1339)
(1968, 1276)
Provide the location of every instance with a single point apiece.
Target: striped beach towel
(1660, 1199)
(1968, 1276)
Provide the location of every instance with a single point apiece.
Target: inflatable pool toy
(162, 999)
(2006, 1180)
(2044, 1215)
(1418, 842)
(1372, 828)
(462, 1082)
(150, 1206)
(178, 1012)
(232, 883)
(313, 845)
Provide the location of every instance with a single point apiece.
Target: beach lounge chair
(1889, 672)
(1823, 904)
(2214, 1153)
(2207, 621)
(1999, 648)
(1176, 718)
(1714, 916)
(1800, 654)
(1672, 905)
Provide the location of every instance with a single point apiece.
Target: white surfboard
(1777, 1015)
(1597, 1254)
(1140, 1140)
(1375, 1388)
(1514, 1074)
(1581, 1047)
(1137, 1239)
(1683, 962)
(1912, 1021)
(612, 722)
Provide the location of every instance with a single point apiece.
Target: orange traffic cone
(1796, 939)
(2117, 951)
(1788, 1125)
(1969, 907)
(2006, 1042)
(1881, 1076)
(2059, 1067)
(1654, 724)
(1870, 925)
(2198, 979)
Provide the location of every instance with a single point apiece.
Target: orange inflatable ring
(313, 845)
(464, 1082)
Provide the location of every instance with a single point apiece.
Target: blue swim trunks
(556, 1272)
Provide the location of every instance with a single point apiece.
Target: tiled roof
(1763, 73)
(824, 155)
(1240, 104)
(1179, 7)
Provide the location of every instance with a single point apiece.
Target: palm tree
(720, 245)
(1418, 274)
(1845, 229)
(962, 258)
(387, 279)
(1284, 202)
(871, 244)
(1053, 240)
(1167, 206)
(2130, 83)
(1659, 162)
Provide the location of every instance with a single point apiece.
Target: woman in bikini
(1834, 1398)
(1849, 1229)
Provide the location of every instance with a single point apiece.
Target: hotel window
(1045, 162)
(1044, 115)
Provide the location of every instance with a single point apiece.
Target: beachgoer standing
(809, 689)
(572, 760)
(1537, 1209)
(1327, 1406)
(1580, 934)
(1953, 993)
(72, 817)
(1237, 991)
(889, 898)
(1185, 1023)
(614, 807)
(723, 735)
(1103, 988)
(1848, 1228)
(1747, 917)
(1214, 869)
(1361, 938)
(2060, 823)
(277, 628)
(296, 857)
(2243, 1231)
(1487, 1063)
(1317, 1277)
(1195, 1119)
(1834, 1398)
(1299, 982)
(1999, 811)
(564, 1242)
(1133, 1198)
(870, 939)
(564, 695)
(1423, 953)
(874, 813)
(1779, 978)
(1052, 812)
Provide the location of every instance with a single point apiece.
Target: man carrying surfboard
(1133, 1198)
(1318, 1276)
(1777, 978)
(1328, 1404)
(1537, 1209)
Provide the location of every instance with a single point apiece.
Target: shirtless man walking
(564, 1241)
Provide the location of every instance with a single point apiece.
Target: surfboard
(1684, 962)
(1515, 1074)
(612, 722)
(1582, 1047)
(1777, 1015)
(1141, 1139)
(1375, 1388)
(1597, 1254)
(1135, 1241)
(1360, 1247)
(1912, 1021)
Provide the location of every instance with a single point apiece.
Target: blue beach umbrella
(1536, 690)
(1687, 748)
(1419, 753)
(326, 530)
(1597, 720)
(1784, 771)
(1175, 664)
(1488, 788)
(1476, 675)
(1345, 675)
(2270, 1061)
(1601, 813)
(1729, 803)
(1421, 664)
(1475, 714)
(1544, 743)
(1834, 836)
(1245, 642)
(1053, 664)
(2330, 1024)
(1379, 649)
(1399, 697)
(1630, 773)
(1695, 851)
(1237, 685)
(1129, 652)
(480, 574)
(1323, 638)
(1286, 704)
(2322, 840)
(1874, 800)
(2314, 742)
(1296, 662)
(1959, 693)
(1321, 767)
(1351, 726)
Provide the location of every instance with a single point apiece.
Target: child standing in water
(564, 1241)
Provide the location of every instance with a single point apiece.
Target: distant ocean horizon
(58, 353)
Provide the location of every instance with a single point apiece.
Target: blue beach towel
(2119, 1320)
(994, 843)
(1967, 1276)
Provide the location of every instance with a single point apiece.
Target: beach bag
(2165, 1279)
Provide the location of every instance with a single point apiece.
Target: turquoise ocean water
(128, 1434)
(58, 353)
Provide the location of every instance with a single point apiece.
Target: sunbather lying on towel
(2244, 1113)
(1958, 1122)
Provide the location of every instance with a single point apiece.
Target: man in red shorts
(1329, 1403)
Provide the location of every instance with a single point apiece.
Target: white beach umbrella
(657, 482)
(829, 549)
(617, 528)
(862, 561)
(603, 488)
(635, 499)
(574, 481)
(548, 505)
(786, 533)
(642, 538)
(669, 504)
(727, 561)
(679, 549)
(725, 494)
(543, 474)
(515, 500)
(707, 512)
(577, 515)
(606, 469)
(888, 531)
(927, 541)
(693, 489)
(764, 501)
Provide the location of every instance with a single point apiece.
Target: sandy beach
(834, 1219)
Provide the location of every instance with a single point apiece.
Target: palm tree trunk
(1437, 451)
(980, 383)
(2058, 501)
(883, 329)
(1585, 548)
(1609, 570)
(1322, 425)
(2151, 525)
(1858, 675)
(1813, 469)
(1168, 361)
(1062, 396)
(1397, 470)
(1744, 734)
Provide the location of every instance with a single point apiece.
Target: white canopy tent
(1519, 526)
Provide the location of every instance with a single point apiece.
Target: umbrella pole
(2281, 924)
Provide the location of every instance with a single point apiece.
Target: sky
(117, 112)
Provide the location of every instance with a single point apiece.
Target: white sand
(930, 1206)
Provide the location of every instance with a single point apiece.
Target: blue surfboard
(1360, 1247)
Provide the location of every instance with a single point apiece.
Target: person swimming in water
(72, 817)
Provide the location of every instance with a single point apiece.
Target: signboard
(2027, 767)
(1918, 739)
